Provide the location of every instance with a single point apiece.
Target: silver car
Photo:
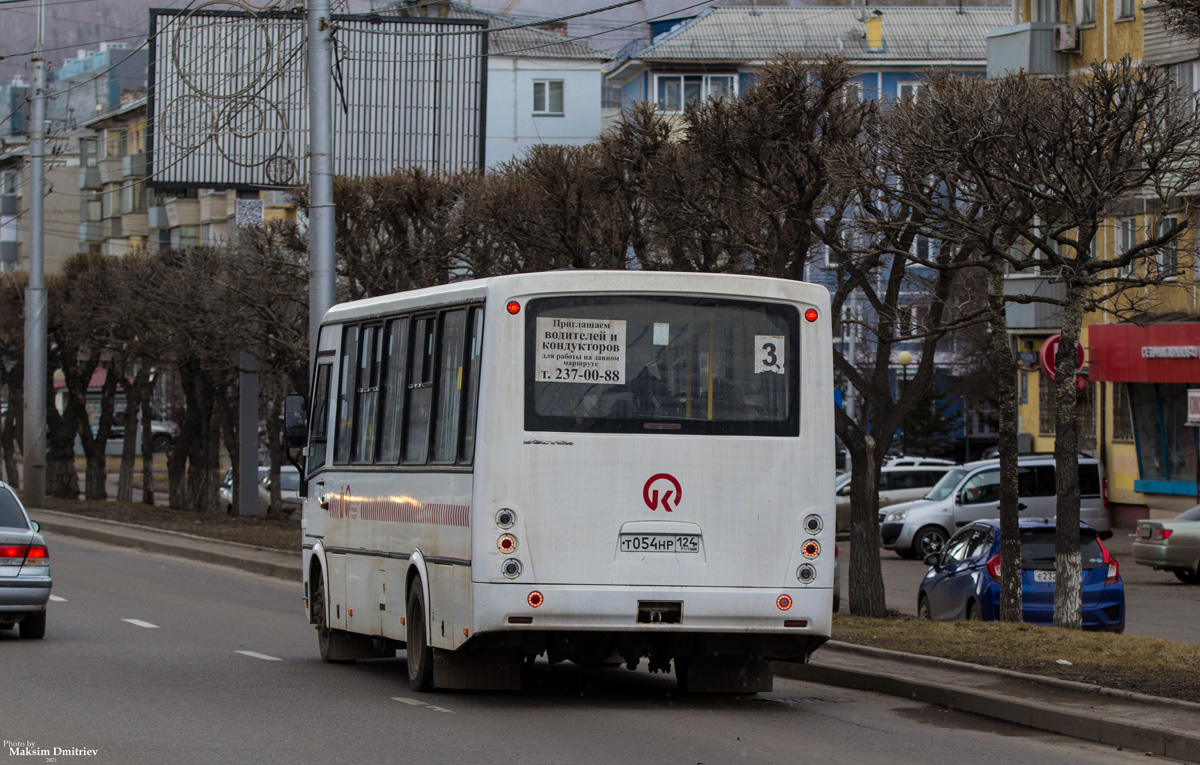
(24, 569)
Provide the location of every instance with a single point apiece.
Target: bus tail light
(813, 524)
(810, 314)
(806, 573)
(810, 549)
(511, 568)
(507, 543)
(513, 307)
(795, 623)
(520, 620)
(535, 599)
(783, 602)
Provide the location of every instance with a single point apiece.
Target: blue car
(963, 581)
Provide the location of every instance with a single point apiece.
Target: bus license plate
(1043, 576)
(660, 543)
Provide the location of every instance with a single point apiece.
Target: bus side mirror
(295, 421)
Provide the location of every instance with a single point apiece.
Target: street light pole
(904, 359)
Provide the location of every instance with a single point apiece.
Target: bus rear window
(635, 364)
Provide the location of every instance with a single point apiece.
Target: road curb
(255, 560)
(1089, 724)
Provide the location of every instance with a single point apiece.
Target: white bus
(580, 464)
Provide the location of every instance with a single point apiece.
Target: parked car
(162, 432)
(971, 492)
(903, 461)
(963, 581)
(1172, 545)
(897, 483)
(225, 490)
(24, 569)
(289, 490)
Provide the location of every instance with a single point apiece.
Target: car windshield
(1192, 514)
(1037, 548)
(11, 515)
(945, 487)
(289, 481)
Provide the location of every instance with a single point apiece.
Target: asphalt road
(1156, 603)
(148, 659)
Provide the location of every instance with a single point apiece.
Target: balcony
(110, 228)
(213, 207)
(89, 211)
(8, 204)
(134, 166)
(135, 224)
(156, 218)
(1034, 315)
(183, 212)
(1028, 47)
(89, 177)
(111, 170)
(91, 232)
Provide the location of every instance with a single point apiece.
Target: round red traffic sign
(1047, 355)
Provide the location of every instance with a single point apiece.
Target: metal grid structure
(228, 96)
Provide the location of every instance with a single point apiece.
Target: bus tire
(420, 654)
(331, 643)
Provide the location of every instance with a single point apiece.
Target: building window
(1085, 11)
(548, 97)
(1125, 9)
(1046, 11)
(1126, 241)
(1164, 441)
(1168, 256)
(1122, 422)
(910, 90)
(1045, 405)
(677, 90)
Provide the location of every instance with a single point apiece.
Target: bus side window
(318, 434)
(394, 388)
(345, 412)
(450, 379)
(367, 393)
(466, 451)
(420, 391)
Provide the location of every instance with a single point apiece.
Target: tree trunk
(1068, 565)
(62, 480)
(95, 446)
(132, 389)
(229, 433)
(867, 596)
(1010, 534)
(147, 444)
(275, 441)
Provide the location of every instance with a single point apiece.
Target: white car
(897, 483)
(289, 490)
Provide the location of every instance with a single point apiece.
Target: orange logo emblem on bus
(650, 494)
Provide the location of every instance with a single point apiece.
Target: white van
(971, 492)
(897, 483)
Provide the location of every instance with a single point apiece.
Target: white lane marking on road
(256, 655)
(140, 623)
(415, 703)
(56, 599)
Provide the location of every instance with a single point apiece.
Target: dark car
(963, 581)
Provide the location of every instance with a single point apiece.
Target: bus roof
(581, 280)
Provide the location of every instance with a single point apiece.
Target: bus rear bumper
(591, 608)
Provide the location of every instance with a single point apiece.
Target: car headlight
(896, 516)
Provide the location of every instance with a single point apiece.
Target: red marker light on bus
(810, 549)
(514, 307)
(809, 315)
(507, 543)
(783, 602)
(535, 599)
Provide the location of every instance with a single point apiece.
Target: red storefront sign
(1165, 353)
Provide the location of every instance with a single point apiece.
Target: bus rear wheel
(420, 654)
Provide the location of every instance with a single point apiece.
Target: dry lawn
(1146, 665)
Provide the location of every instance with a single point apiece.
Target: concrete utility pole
(321, 258)
(35, 294)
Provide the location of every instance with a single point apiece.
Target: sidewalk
(1103, 715)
